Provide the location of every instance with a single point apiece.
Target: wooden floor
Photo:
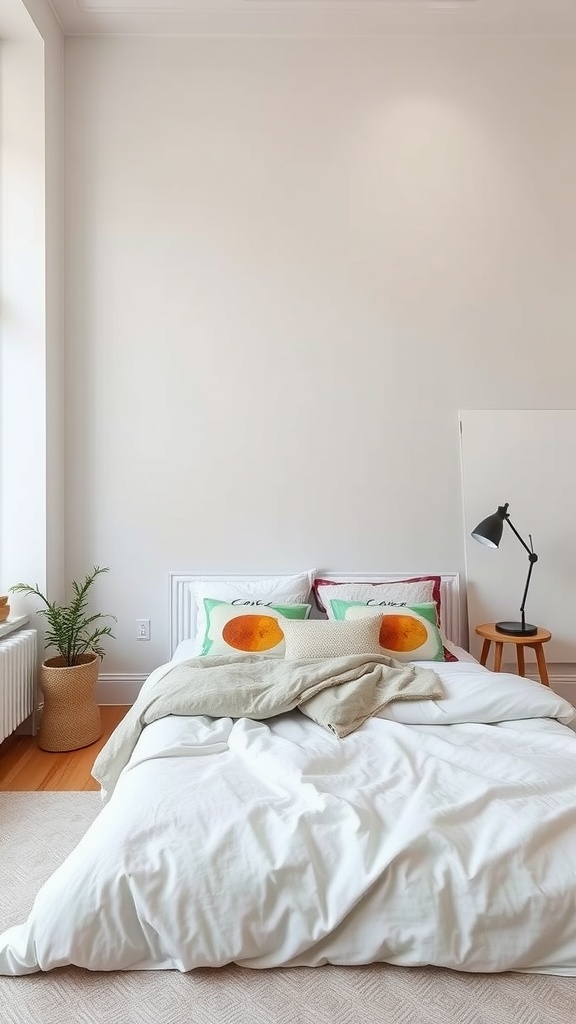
(24, 767)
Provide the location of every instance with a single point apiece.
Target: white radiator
(17, 680)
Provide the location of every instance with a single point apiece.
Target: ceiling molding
(313, 18)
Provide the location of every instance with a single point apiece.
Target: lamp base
(516, 629)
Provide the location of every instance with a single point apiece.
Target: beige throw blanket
(337, 693)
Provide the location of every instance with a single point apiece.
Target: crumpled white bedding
(445, 841)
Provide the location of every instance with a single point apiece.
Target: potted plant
(71, 716)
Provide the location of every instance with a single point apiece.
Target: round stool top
(489, 632)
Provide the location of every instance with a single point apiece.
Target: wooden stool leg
(520, 660)
(485, 649)
(498, 648)
(542, 668)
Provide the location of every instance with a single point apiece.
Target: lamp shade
(489, 531)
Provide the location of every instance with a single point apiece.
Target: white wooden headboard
(183, 607)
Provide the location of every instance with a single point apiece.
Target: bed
(441, 831)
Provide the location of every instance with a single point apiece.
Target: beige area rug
(37, 830)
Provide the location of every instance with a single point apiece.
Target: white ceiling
(314, 17)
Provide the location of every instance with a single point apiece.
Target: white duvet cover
(442, 833)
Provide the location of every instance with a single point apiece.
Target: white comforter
(426, 837)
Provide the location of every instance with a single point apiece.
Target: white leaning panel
(183, 606)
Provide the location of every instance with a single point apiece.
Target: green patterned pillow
(407, 633)
(247, 628)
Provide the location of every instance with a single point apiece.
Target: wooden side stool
(490, 634)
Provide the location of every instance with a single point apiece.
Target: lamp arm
(533, 557)
(530, 567)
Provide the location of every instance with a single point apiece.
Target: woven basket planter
(71, 716)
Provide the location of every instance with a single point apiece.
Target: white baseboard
(562, 678)
(564, 686)
(124, 687)
(565, 690)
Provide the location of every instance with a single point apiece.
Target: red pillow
(379, 583)
(448, 656)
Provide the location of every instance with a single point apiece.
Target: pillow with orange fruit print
(407, 633)
(247, 629)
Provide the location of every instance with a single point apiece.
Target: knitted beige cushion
(325, 638)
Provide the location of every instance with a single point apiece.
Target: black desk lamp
(489, 532)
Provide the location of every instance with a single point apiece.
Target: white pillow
(275, 590)
(325, 638)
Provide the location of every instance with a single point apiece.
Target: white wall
(290, 263)
(31, 340)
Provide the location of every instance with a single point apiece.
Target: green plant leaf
(69, 626)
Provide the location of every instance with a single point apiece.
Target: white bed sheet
(275, 843)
